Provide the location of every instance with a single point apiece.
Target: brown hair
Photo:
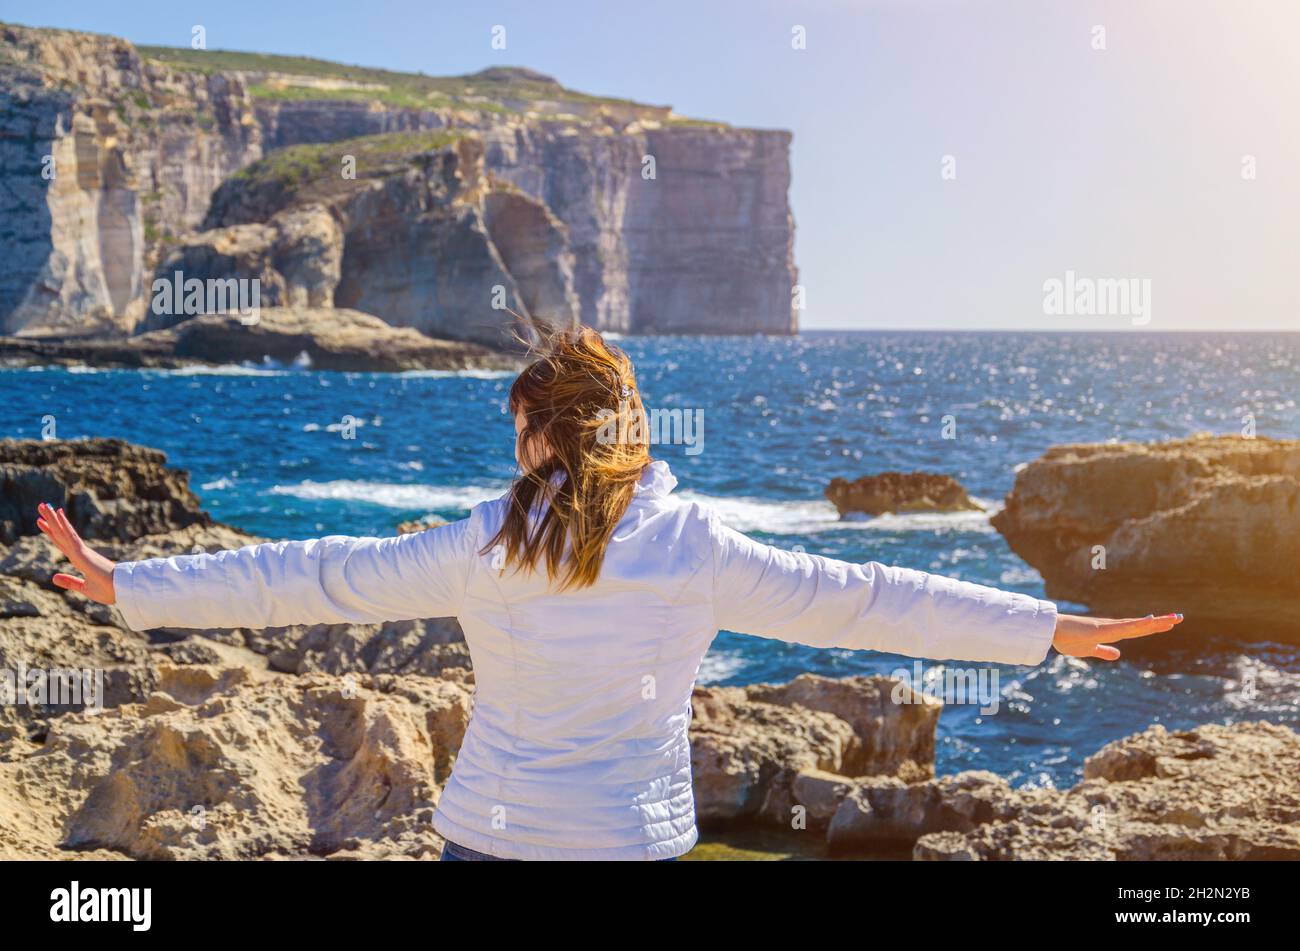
(583, 479)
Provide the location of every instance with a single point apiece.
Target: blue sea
(266, 452)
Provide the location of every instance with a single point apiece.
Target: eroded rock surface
(1209, 793)
(899, 492)
(111, 159)
(335, 740)
(1207, 526)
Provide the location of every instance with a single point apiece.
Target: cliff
(335, 741)
(111, 156)
(1206, 526)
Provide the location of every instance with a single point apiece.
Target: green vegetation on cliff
(313, 172)
(488, 90)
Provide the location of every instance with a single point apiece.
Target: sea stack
(899, 492)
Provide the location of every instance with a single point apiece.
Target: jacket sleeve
(822, 602)
(323, 581)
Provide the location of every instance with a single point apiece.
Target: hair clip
(626, 391)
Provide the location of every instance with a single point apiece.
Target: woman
(588, 595)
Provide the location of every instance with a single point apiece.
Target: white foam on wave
(464, 374)
(395, 495)
(772, 516)
(806, 517)
(224, 369)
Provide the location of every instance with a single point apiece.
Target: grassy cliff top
(499, 89)
(487, 88)
(311, 172)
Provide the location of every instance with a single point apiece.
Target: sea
(292, 452)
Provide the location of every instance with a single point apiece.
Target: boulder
(1209, 793)
(899, 492)
(1207, 526)
(111, 489)
(749, 745)
(219, 764)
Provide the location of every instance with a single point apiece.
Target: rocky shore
(334, 741)
(316, 338)
(1208, 526)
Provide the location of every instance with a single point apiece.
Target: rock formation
(750, 745)
(110, 489)
(104, 158)
(323, 338)
(899, 492)
(1209, 793)
(334, 741)
(1206, 526)
(624, 214)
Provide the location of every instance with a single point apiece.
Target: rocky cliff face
(666, 225)
(103, 158)
(1207, 526)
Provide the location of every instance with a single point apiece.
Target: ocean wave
(807, 517)
(464, 374)
(223, 369)
(394, 495)
(772, 516)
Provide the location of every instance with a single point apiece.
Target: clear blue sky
(1116, 163)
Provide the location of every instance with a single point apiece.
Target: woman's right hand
(98, 570)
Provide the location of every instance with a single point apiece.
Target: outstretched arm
(822, 602)
(322, 581)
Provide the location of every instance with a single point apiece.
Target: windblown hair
(565, 505)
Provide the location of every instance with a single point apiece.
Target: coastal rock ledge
(334, 741)
(1208, 526)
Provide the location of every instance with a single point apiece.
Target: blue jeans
(451, 852)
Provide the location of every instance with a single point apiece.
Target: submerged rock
(900, 492)
(1207, 526)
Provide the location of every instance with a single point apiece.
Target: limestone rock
(899, 492)
(321, 338)
(325, 338)
(566, 221)
(295, 258)
(135, 152)
(215, 766)
(1206, 526)
(750, 745)
(111, 489)
(1209, 793)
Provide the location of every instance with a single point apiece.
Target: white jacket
(577, 747)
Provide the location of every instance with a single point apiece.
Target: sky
(957, 164)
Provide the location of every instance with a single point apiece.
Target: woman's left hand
(1091, 637)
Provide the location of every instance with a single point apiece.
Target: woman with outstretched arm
(588, 594)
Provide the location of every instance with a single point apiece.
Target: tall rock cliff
(622, 214)
(104, 157)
